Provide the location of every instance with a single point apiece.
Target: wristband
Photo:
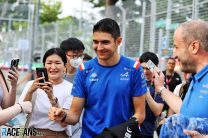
(161, 90)
(20, 107)
(64, 117)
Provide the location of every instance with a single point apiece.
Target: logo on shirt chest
(93, 77)
(205, 86)
(124, 76)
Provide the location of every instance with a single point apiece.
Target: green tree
(49, 13)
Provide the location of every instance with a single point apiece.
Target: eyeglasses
(171, 63)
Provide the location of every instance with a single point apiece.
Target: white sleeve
(177, 89)
(24, 92)
(69, 97)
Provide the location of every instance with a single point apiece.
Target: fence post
(142, 28)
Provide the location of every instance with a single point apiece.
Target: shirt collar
(201, 73)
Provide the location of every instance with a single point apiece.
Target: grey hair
(196, 30)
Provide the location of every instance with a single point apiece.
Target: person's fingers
(50, 84)
(59, 111)
(191, 133)
(55, 113)
(51, 113)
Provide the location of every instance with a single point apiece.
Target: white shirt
(177, 89)
(39, 117)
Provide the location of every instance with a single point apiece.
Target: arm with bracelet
(173, 101)
(71, 116)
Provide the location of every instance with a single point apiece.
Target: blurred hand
(194, 134)
(48, 88)
(158, 80)
(35, 85)
(56, 114)
(26, 107)
(13, 76)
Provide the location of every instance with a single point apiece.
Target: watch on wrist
(64, 117)
(20, 107)
(161, 90)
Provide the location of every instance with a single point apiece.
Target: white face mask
(76, 62)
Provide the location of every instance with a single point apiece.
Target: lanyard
(168, 81)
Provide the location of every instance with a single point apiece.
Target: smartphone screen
(42, 72)
(151, 66)
(14, 63)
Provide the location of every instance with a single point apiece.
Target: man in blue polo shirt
(111, 88)
(191, 50)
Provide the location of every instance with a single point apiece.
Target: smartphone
(14, 63)
(151, 66)
(42, 72)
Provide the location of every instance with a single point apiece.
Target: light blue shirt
(195, 103)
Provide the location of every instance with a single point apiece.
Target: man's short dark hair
(72, 44)
(171, 58)
(107, 25)
(149, 56)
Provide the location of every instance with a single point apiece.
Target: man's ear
(119, 40)
(195, 47)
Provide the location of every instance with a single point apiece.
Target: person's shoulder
(130, 63)
(67, 83)
(88, 64)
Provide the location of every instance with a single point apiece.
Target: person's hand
(158, 80)
(13, 76)
(48, 88)
(56, 114)
(26, 107)
(194, 134)
(35, 85)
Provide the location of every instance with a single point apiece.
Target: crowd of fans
(112, 95)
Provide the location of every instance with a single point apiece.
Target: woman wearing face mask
(73, 49)
(55, 92)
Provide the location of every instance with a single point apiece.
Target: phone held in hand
(151, 66)
(42, 72)
(14, 63)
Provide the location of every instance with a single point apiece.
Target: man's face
(182, 52)
(71, 54)
(104, 45)
(148, 74)
(171, 64)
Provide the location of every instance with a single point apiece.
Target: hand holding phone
(14, 63)
(42, 72)
(151, 66)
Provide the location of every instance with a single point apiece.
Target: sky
(73, 7)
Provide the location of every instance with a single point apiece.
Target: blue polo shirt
(108, 92)
(195, 103)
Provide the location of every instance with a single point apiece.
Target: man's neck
(71, 70)
(111, 61)
(169, 72)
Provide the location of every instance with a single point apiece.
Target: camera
(42, 72)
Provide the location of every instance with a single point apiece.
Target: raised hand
(13, 76)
